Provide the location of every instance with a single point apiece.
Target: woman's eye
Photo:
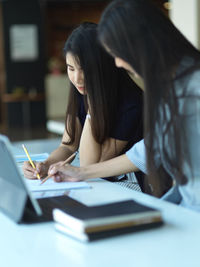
(70, 68)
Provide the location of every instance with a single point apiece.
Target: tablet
(16, 200)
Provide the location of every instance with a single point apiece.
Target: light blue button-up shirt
(189, 108)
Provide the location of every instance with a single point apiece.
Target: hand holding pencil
(30, 173)
(30, 161)
(61, 164)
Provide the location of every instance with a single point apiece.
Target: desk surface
(174, 244)
(37, 146)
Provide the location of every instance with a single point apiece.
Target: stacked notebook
(96, 222)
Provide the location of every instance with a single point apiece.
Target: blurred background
(33, 80)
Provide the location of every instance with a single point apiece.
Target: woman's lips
(80, 88)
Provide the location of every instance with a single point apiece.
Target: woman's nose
(79, 77)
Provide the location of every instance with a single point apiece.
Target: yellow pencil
(30, 160)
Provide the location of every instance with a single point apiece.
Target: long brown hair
(102, 82)
(138, 32)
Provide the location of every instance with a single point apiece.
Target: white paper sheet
(49, 188)
(35, 185)
(34, 157)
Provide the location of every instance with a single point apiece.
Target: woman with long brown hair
(145, 42)
(104, 113)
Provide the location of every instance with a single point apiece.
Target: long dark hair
(139, 33)
(101, 79)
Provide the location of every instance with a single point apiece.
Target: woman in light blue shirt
(145, 42)
(154, 49)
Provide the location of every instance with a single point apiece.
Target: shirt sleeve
(137, 155)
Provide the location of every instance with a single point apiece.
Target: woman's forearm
(65, 151)
(60, 154)
(116, 166)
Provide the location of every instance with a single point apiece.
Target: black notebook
(91, 223)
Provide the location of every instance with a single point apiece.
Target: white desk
(37, 146)
(175, 244)
(39, 245)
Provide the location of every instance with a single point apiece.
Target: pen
(30, 160)
(65, 162)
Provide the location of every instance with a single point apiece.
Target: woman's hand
(31, 173)
(65, 173)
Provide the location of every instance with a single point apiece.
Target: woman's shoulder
(194, 78)
(192, 83)
(188, 81)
